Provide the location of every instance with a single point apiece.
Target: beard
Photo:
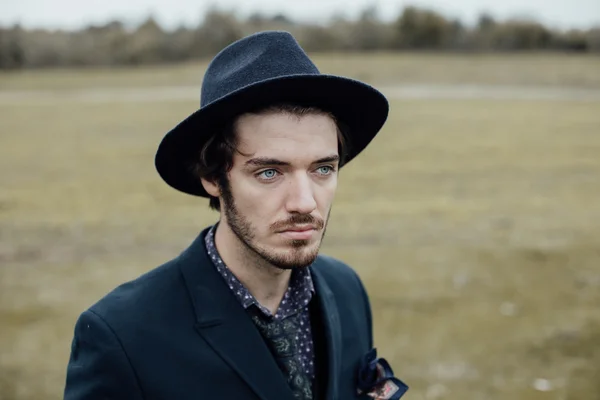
(300, 255)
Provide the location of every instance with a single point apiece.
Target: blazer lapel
(331, 323)
(226, 327)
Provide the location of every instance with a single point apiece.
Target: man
(249, 310)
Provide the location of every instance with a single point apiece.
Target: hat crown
(253, 59)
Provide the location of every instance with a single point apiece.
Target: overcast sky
(71, 14)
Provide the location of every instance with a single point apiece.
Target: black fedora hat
(262, 69)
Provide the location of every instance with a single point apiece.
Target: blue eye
(325, 170)
(268, 174)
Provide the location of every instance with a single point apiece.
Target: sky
(74, 14)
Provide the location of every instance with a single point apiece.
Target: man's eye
(325, 170)
(268, 174)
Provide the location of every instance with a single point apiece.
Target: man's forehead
(281, 121)
(282, 133)
(285, 153)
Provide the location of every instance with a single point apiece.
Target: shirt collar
(299, 293)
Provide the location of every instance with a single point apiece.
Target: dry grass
(474, 225)
(380, 68)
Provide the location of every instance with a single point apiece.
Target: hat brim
(362, 108)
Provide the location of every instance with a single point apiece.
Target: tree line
(414, 29)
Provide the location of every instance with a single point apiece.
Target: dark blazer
(177, 332)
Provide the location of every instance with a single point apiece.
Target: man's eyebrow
(331, 158)
(265, 161)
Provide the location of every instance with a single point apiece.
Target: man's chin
(294, 258)
(294, 264)
(289, 241)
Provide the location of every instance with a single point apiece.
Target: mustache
(298, 219)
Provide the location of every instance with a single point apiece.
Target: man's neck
(264, 281)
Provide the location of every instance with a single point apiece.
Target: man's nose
(300, 196)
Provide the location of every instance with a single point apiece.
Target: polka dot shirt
(295, 300)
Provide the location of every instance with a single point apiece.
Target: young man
(249, 310)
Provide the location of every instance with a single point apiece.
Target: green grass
(474, 225)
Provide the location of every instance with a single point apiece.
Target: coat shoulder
(333, 267)
(337, 273)
(141, 297)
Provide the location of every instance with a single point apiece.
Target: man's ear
(211, 187)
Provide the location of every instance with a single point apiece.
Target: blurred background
(473, 218)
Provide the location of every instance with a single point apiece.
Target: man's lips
(299, 232)
(300, 228)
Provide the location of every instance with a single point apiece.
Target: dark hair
(215, 158)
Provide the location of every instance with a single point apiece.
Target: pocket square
(377, 380)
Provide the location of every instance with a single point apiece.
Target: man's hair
(215, 158)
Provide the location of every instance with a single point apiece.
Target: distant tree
(341, 33)
(315, 38)
(338, 18)
(521, 35)
(146, 44)
(574, 40)
(457, 35)
(482, 37)
(593, 40)
(485, 22)
(179, 44)
(44, 48)
(12, 55)
(150, 27)
(421, 29)
(415, 28)
(259, 22)
(219, 29)
(257, 18)
(369, 33)
(281, 19)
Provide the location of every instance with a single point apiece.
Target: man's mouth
(299, 232)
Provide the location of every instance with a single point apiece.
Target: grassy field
(381, 68)
(475, 225)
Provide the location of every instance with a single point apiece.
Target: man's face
(282, 185)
